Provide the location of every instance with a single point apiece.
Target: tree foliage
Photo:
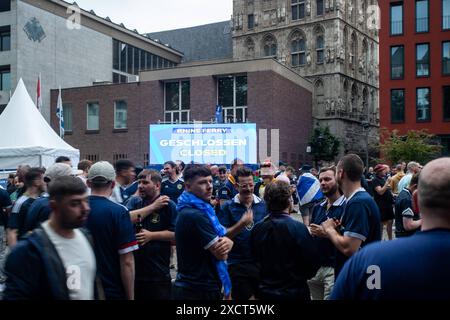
(417, 146)
(325, 146)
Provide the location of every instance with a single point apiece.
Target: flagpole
(38, 94)
(60, 113)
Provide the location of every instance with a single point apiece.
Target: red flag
(38, 94)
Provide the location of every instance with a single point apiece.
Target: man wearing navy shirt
(407, 222)
(360, 221)
(239, 217)
(199, 247)
(172, 186)
(152, 260)
(230, 185)
(35, 186)
(113, 234)
(283, 247)
(40, 209)
(322, 284)
(413, 268)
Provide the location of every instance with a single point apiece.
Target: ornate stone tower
(332, 43)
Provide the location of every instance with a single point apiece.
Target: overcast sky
(156, 15)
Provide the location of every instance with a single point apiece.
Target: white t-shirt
(116, 195)
(79, 260)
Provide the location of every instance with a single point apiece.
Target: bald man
(413, 268)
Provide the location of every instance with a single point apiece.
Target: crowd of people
(111, 232)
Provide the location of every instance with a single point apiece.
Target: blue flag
(219, 114)
(60, 115)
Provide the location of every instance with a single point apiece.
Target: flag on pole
(38, 94)
(308, 189)
(219, 114)
(60, 114)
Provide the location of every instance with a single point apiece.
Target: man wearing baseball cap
(113, 234)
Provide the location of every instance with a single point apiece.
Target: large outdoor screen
(203, 143)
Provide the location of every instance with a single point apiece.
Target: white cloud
(157, 15)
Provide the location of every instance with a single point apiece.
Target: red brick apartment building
(111, 121)
(415, 67)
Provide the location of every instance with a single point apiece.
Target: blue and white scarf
(188, 200)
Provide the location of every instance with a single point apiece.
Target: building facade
(332, 43)
(70, 47)
(415, 67)
(111, 122)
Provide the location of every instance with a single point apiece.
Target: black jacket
(35, 271)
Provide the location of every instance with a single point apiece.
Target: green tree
(417, 146)
(325, 146)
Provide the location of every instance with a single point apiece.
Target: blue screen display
(203, 143)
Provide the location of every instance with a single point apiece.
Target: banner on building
(203, 143)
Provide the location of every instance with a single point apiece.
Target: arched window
(319, 95)
(365, 105)
(298, 49)
(354, 99)
(365, 56)
(269, 46)
(372, 53)
(320, 49)
(345, 107)
(250, 46)
(373, 105)
(354, 51)
(319, 88)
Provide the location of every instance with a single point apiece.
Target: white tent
(26, 138)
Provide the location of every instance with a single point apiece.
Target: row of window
(93, 116)
(298, 49)
(422, 16)
(232, 96)
(423, 61)
(5, 38)
(131, 60)
(298, 8)
(5, 78)
(423, 104)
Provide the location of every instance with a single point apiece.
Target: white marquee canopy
(25, 136)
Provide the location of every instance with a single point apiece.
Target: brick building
(415, 67)
(111, 122)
